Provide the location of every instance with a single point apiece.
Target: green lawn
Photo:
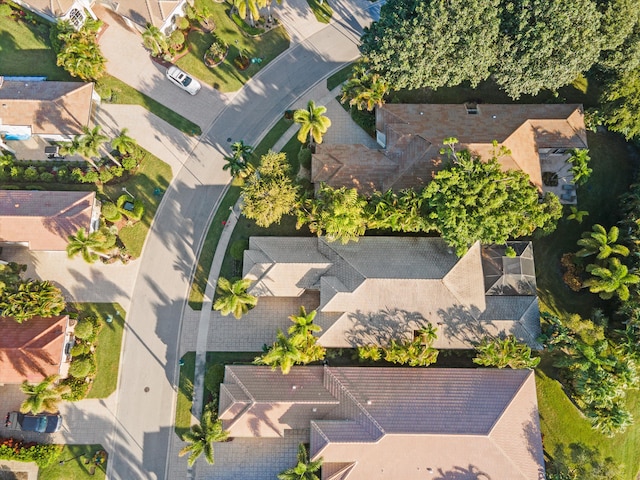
(108, 345)
(339, 77)
(203, 268)
(224, 358)
(74, 466)
(185, 394)
(226, 77)
(115, 91)
(153, 173)
(322, 11)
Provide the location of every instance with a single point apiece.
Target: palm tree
(577, 215)
(233, 298)
(44, 396)
(252, 7)
(240, 150)
(507, 352)
(610, 421)
(304, 470)
(614, 280)
(364, 89)
(155, 40)
(30, 299)
(124, 143)
(313, 123)
(201, 437)
(237, 163)
(601, 243)
(284, 353)
(303, 326)
(91, 141)
(580, 165)
(90, 246)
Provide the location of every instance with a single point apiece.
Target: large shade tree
(201, 437)
(433, 43)
(44, 396)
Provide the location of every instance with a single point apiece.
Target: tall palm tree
(30, 299)
(364, 89)
(238, 163)
(614, 280)
(90, 246)
(303, 324)
(252, 7)
(239, 149)
(305, 469)
(580, 165)
(284, 353)
(577, 215)
(233, 298)
(155, 40)
(124, 143)
(44, 396)
(601, 243)
(313, 123)
(201, 437)
(91, 141)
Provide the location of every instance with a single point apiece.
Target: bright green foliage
(42, 454)
(369, 352)
(155, 40)
(305, 469)
(577, 215)
(548, 43)
(42, 397)
(416, 353)
(238, 163)
(398, 212)
(90, 246)
(622, 104)
(507, 352)
(110, 212)
(201, 437)
(249, 6)
(303, 325)
(137, 210)
(88, 144)
(580, 166)
(601, 243)
(233, 297)
(10, 275)
(364, 89)
(269, 193)
(611, 280)
(284, 353)
(619, 34)
(78, 51)
(337, 213)
(81, 367)
(433, 44)
(313, 123)
(475, 200)
(124, 143)
(33, 298)
(84, 329)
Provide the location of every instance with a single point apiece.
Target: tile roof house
(34, 349)
(396, 423)
(383, 288)
(411, 139)
(53, 110)
(44, 220)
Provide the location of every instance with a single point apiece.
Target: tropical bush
(79, 388)
(78, 51)
(82, 367)
(84, 329)
(134, 214)
(42, 454)
(110, 212)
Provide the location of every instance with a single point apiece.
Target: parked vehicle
(183, 80)
(41, 423)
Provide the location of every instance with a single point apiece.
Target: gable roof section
(52, 8)
(44, 220)
(403, 421)
(31, 350)
(55, 108)
(414, 135)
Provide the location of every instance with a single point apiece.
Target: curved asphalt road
(146, 396)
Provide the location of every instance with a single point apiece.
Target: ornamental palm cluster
(305, 469)
(313, 123)
(233, 297)
(201, 437)
(44, 396)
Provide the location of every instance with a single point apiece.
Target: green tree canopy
(621, 104)
(233, 297)
(90, 246)
(78, 51)
(612, 280)
(44, 396)
(201, 437)
(305, 469)
(125, 144)
(433, 43)
(364, 89)
(269, 193)
(601, 243)
(32, 298)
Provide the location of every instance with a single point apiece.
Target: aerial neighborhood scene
(320, 239)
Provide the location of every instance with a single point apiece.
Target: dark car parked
(41, 423)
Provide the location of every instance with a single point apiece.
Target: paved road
(149, 365)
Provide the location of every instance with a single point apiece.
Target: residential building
(43, 220)
(395, 423)
(384, 288)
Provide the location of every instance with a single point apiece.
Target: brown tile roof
(414, 135)
(48, 107)
(399, 422)
(31, 350)
(43, 219)
(383, 288)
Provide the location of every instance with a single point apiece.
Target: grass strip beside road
(339, 77)
(185, 394)
(322, 11)
(73, 466)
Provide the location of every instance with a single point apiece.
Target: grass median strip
(185, 394)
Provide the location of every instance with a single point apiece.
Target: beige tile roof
(53, 8)
(31, 350)
(43, 219)
(400, 422)
(48, 107)
(383, 288)
(414, 138)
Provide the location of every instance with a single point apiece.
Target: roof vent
(494, 116)
(369, 402)
(294, 387)
(314, 409)
(472, 108)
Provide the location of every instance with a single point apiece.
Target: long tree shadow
(379, 328)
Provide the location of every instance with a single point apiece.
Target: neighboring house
(538, 136)
(54, 111)
(44, 220)
(34, 349)
(160, 13)
(396, 423)
(383, 288)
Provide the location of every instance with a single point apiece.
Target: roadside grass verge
(152, 174)
(339, 77)
(116, 91)
(185, 394)
(74, 466)
(108, 345)
(199, 283)
(226, 77)
(322, 11)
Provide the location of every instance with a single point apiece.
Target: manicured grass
(226, 77)
(153, 173)
(74, 466)
(185, 394)
(339, 77)
(123, 94)
(322, 11)
(25, 51)
(203, 268)
(108, 345)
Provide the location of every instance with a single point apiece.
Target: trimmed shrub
(47, 177)
(43, 455)
(177, 38)
(138, 207)
(84, 329)
(79, 389)
(110, 212)
(182, 23)
(105, 175)
(129, 163)
(81, 367)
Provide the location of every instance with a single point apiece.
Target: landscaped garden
(76, 462)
